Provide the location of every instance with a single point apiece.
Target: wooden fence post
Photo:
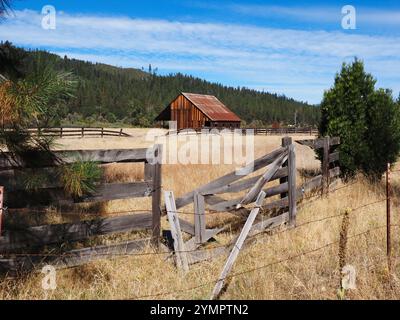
(325, 166)
(237, 247)
(292, 194)
(179, 246)
(199, 218)
(102, 132)
(61, 132)
(1, 208)
(286, 141)
(83, 132)
(120, 132)
(156, 196)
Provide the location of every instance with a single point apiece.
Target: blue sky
(288, 47)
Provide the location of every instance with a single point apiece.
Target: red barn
(196, 111)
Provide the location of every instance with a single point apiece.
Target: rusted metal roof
(211, 107)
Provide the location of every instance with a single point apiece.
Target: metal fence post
(388, 217)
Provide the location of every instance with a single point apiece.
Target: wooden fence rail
(78, 132)
(27, 238)
(276, 179)
(257, 131)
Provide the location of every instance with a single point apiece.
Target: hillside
(134, 96)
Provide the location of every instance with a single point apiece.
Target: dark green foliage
(366, 120)
(136, 97)
(80, 178)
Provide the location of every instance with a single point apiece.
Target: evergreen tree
(366, 120)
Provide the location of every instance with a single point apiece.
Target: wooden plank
(199, 218)
(237, 247)
(192, 244)
(292, 185)
(334, 141)
(187, 227)
(209, 254)
(73, 258)
(312, 143)
(114, 191)
(230, 177)
(59, 233)
(100, 156)
(256, 189)
(319, 143)
(156, 197)
(105, 192)
(286, 141)
(269, 224)
(334, 157)
(279, 189)
(244, 184)
(179, 246)
(333, 173)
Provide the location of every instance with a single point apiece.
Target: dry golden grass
(313, 275)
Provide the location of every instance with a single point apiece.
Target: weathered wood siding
(186, 114)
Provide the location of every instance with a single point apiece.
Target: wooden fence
(79, 132)
(28, 238)
(243, 193)
(281, 165)
(259, 131)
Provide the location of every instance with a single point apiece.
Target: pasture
(299, 263)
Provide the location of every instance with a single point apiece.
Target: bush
(80, 178)
(366, 120)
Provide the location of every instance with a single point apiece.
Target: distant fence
(286, 131)
(258, 131)
(79, 132)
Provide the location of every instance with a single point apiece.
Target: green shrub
(366, 120)
(80, 178)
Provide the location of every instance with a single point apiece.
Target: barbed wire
(264, 233)
(247, 271)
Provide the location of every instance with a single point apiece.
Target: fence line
(214, 247)
(78, 132)
(247, 271)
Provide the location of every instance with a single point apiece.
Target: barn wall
(186, 114)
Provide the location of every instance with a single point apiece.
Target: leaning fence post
(179, 246)
(199, 218)
(156, 195)
(237, 247)
(1, 208)
(292, 195)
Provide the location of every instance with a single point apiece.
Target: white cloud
(297, 63)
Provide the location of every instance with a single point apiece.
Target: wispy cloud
(294, 62)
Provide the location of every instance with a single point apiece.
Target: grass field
(282, 265)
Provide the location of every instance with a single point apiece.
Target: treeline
(131, 96)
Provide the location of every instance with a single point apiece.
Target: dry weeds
(313, 275)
